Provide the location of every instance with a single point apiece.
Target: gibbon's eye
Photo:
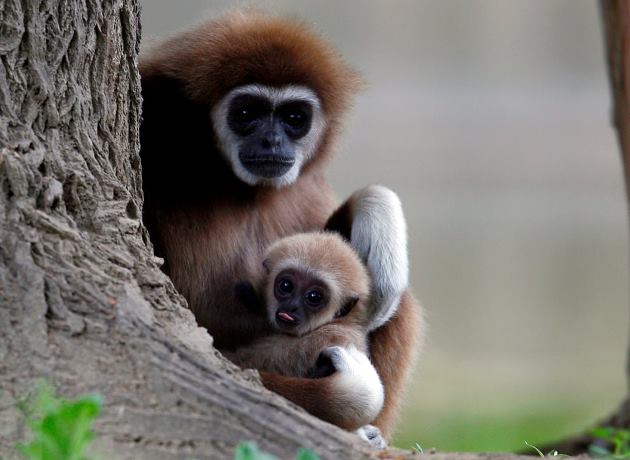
(244, 114)
(284, 286)
(314, 297)
(245, 110)
(296, 117)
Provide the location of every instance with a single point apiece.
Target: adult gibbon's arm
(393, 348)
(373, 222)
(350, 398)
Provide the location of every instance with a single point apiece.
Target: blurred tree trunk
(615, 16)
(83, 302)
(616, 23)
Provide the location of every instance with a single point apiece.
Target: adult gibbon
(239, 115)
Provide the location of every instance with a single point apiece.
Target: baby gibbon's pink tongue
(286, 316)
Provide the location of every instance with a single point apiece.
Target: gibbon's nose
(271, 140)
(267, 153)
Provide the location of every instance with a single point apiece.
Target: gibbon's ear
(348, 306)
(265, 265)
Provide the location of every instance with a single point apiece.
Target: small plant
(552, 453)
(250, 451)
(616, 440)
(306, 454)
(61, 429)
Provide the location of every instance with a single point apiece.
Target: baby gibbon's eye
(284, 286)
(314, 297)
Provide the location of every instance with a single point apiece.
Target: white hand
(372, 435)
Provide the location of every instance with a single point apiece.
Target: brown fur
(252, 47)
(392, 351)
(294, 356)
(318, 397)
(393, 348)
(209, 226)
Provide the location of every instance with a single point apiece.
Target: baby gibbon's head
(313, 279)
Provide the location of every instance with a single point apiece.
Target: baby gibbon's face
(300, 302)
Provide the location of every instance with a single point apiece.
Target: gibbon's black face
(301, 302)
(267, 134)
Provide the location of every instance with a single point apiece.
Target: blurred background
(491, 120)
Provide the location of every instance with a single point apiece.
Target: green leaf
(62, 430)
(598, 451)
(306, 454)
(248, 450)
(605, 433)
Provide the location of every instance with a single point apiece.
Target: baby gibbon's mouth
(285, 317)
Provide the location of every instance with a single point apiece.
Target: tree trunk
(615, 16)
(83, 302)
(616, 22)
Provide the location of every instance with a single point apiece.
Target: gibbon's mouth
(268, 167)
(286, 319)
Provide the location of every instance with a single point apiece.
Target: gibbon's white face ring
(304, 148)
